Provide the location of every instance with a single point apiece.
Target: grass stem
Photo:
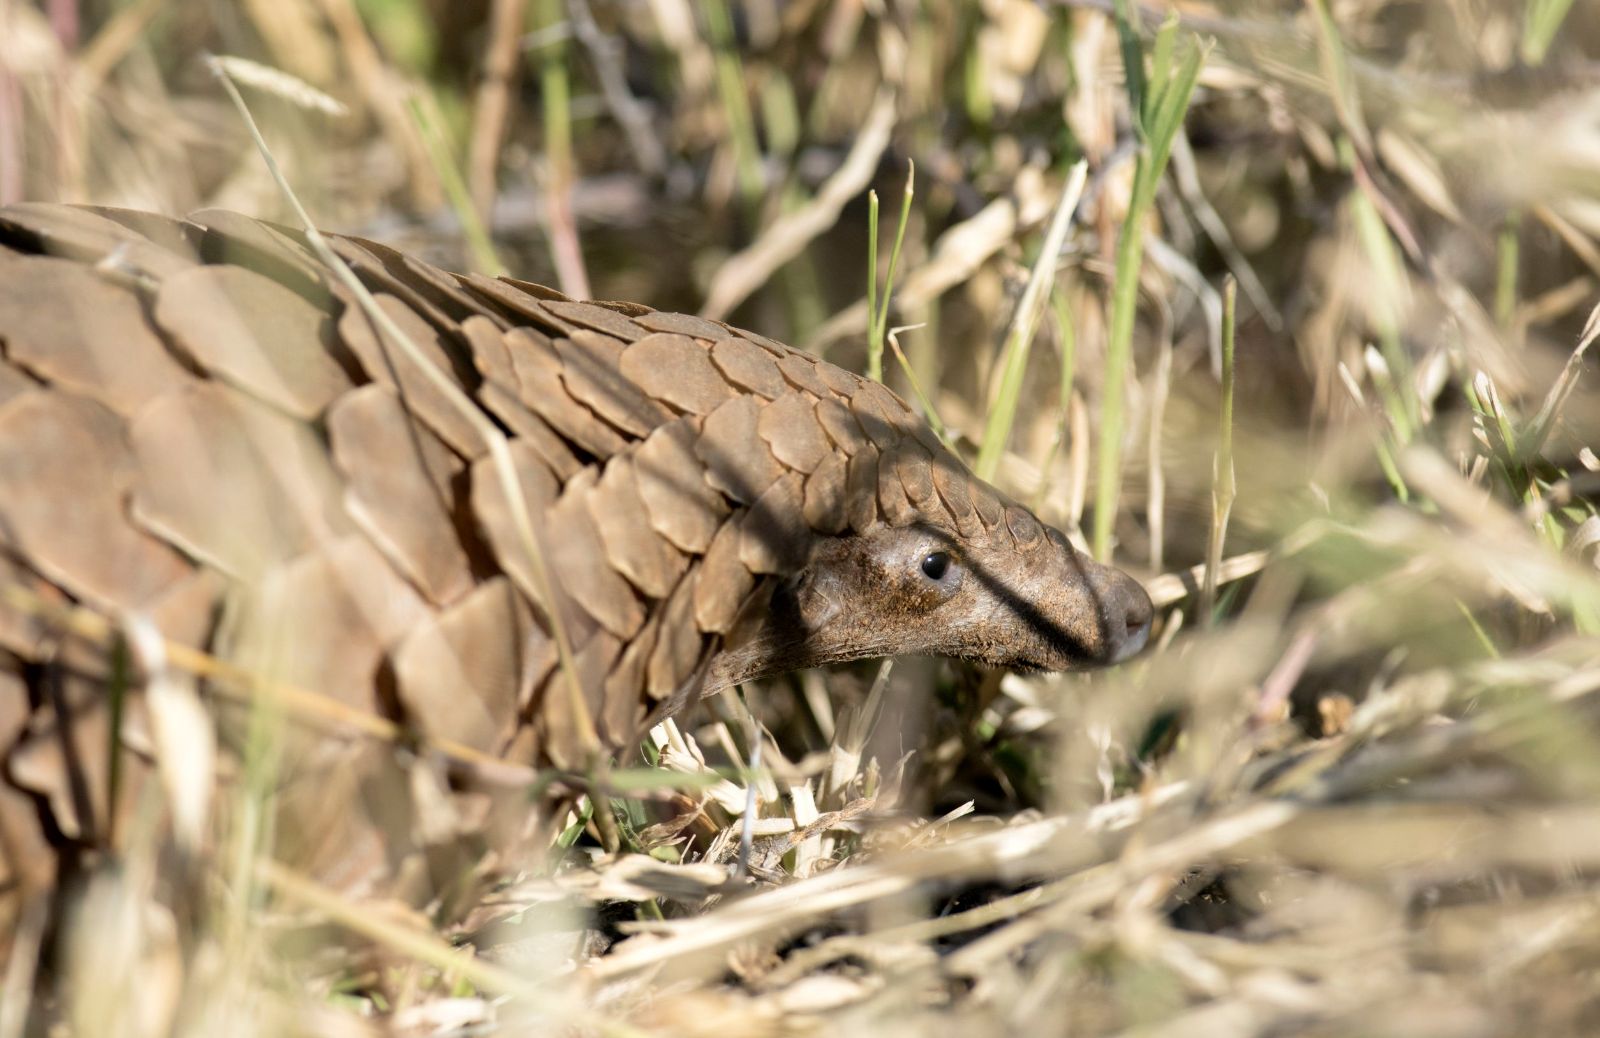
(878, 307)
(1159, 104)
(1013, 359)
(1222, 476)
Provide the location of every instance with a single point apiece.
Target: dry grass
(1355, 792)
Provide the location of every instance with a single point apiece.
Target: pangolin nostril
(1137, 613)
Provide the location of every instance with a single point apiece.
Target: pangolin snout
(1125, 613)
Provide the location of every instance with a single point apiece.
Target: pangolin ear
(815, 596)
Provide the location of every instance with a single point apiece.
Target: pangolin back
(199, 425)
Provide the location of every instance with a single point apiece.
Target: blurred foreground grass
(1353, 790)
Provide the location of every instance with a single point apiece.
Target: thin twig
(560, 174)
(630, 113)
(751, 267)
(1187, 177)
(1168, 588)
(494, 102)
(377, 84)
(1222, 485)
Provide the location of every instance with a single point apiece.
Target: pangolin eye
(935, 565)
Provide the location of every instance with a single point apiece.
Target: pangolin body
(200, 426)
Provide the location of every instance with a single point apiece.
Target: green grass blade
(1541, 20)
(735, 103)
(874, 333)
(1132, 59)
(878, 305)
(1014, 355)
(899, 241)
(424, 114)
(1507, 248)
(928, 412)
(1168, 116)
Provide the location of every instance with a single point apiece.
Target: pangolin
(200, 426)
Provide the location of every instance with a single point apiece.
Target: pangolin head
(1012, 592)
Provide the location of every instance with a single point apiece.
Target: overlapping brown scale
(25, 636)
(540, 387)
(527, 426)
(228, 237)
(186, 612)
(861, 489)
(868, 404)
(460, 674)
(915, 468)
(493, 508)
(623, 306)
(953, 482)
(634, 547)
(926, 436)
(682, 324)
(13, 706)
(841, 426)
(789, 425)
(398, 479)
(985, 501)
(774, 537)
(27, 861)
(440, 288)
(71, 327)
(677, 371)
(680, 646)
(519, 301)
(64, 465)
(722, 582)
(13, 382)
(598, 318)
(62, 759)
(825, 496)
(772, 346)
(895, 506)
(390, 363)
(381, 270)
(884, 416)
(531, 288)
(327, 824)
(233, 481)
(842, 382)
(487, 344)
(325, 620)
(79, 233)
(256, 334)
(682, 506)
(162, 231)
(748, 366)
(589, 367)
(736, 458)
(801, 371)
(1025, 529)
(579, 561)
(593, 660)
(623, 696)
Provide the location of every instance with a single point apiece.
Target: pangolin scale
(200, 426)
